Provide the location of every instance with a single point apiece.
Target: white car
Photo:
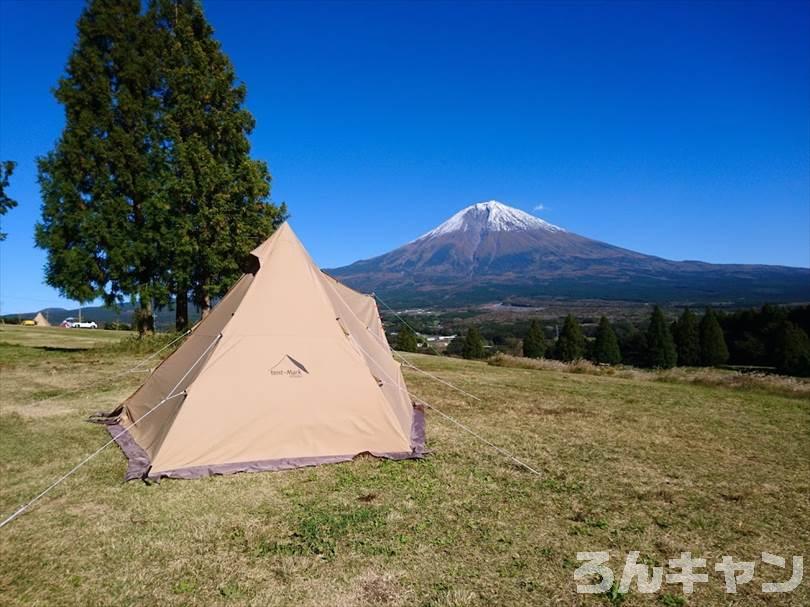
(84, 325)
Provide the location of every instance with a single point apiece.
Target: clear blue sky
(675, 129)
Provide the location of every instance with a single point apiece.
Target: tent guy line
(75, 468)
(467, 429)
(500, 450)
(414, 367)
(405, 322)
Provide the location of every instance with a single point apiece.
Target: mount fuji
(491, 252)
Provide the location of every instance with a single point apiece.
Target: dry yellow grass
(627, 464)
(792, 386)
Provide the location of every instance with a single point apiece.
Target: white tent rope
(438, 379)
(414, 367)
(75, 468)
(405, 322)
(111, 377)
(500, 450)
(397, 354)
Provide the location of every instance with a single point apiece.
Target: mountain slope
(492, 252)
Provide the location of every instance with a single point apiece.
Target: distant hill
(164, 319)
(490, 252)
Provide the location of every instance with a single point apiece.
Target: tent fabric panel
(286, 397)
(359, 315)
(140, 467)
(150, 432)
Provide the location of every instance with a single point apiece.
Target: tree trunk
(145, 320)
(181, 310)
(205, 305)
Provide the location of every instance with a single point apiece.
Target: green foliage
(218, 193)
(613, 595)
(661, 353)
(534, 342)
(103, 220)
(687, 339)
(713, 349)
(571, 343)
(606, 346)
(406, 340)
(319, 530)
(793, 350)
(672, 600)
(456, 346)
(6, 203)
(150, 192)
(473, 344)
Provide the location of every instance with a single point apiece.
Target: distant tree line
(150, 193)
(772, 337)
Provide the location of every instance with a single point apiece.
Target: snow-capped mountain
(491, 216)
(492, 252)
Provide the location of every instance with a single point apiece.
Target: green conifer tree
(455, 347)
(792, 350)
(661, 353)
(473, 344)
(606, 346)
(406, 340)
(534, 342)
(103, 219)
(220, 195)
(687, 339)
(571, 343)
(713, 349)
(6, 202)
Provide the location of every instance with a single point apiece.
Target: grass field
(627, 464)
(57, 337)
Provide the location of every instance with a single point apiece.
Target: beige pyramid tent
(41, 321)
(290, 369)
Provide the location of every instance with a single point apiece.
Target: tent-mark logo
(288, 367)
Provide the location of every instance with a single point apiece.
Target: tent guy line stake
(467, 429)
(75, 468)
(111, 377)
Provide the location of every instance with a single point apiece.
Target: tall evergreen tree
(455, 347)
(6, 202)
(534, 343)
(792, 350)
(473, 344)
(606, 346)
(219, 194)
(103, 218)
(571, 343)
(687, 339)
(713, 349)
(406, 340)
(661, 353)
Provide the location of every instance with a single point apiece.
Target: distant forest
(771, 338)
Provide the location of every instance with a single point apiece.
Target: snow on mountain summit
(491, 216)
